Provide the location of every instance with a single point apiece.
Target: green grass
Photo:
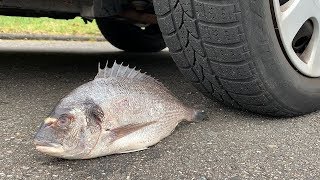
(47, 26)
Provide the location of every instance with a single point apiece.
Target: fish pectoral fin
(128, 129)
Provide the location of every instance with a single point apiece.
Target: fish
(121, 110)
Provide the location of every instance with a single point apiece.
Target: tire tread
(209, 34)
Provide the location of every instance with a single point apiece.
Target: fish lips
(49, 148)
(46, 142)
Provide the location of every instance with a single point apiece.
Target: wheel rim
(302, 48)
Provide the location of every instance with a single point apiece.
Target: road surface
(231, 144)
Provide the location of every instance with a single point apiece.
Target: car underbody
(135, 10)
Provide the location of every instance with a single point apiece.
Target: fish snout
(46, 136)
(47, 144)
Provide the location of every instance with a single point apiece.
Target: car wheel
(261, 56)
(129, 37)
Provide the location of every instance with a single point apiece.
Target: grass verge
(48, 26)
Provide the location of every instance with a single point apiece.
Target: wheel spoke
(293, 15)
(312, 52)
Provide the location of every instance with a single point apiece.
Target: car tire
(129, 37)
(231, 51)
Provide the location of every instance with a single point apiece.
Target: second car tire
(131, 38)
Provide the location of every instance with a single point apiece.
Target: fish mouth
(49, 148)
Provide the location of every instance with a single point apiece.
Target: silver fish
(122, 110)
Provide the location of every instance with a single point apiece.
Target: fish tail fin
(198, 116)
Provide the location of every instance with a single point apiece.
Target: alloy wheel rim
(292, 16)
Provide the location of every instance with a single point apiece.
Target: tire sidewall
(288, 86)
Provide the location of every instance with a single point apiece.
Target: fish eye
(64, 120)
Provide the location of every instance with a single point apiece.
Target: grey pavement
(86, 47)
(231, 144)
(8, 36)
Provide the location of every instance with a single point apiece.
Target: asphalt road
(231, 144)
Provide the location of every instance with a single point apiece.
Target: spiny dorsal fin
(118, 70)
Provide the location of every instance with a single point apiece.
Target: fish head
(70, 132)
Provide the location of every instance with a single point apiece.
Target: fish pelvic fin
(133, 150)
(118, 70)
